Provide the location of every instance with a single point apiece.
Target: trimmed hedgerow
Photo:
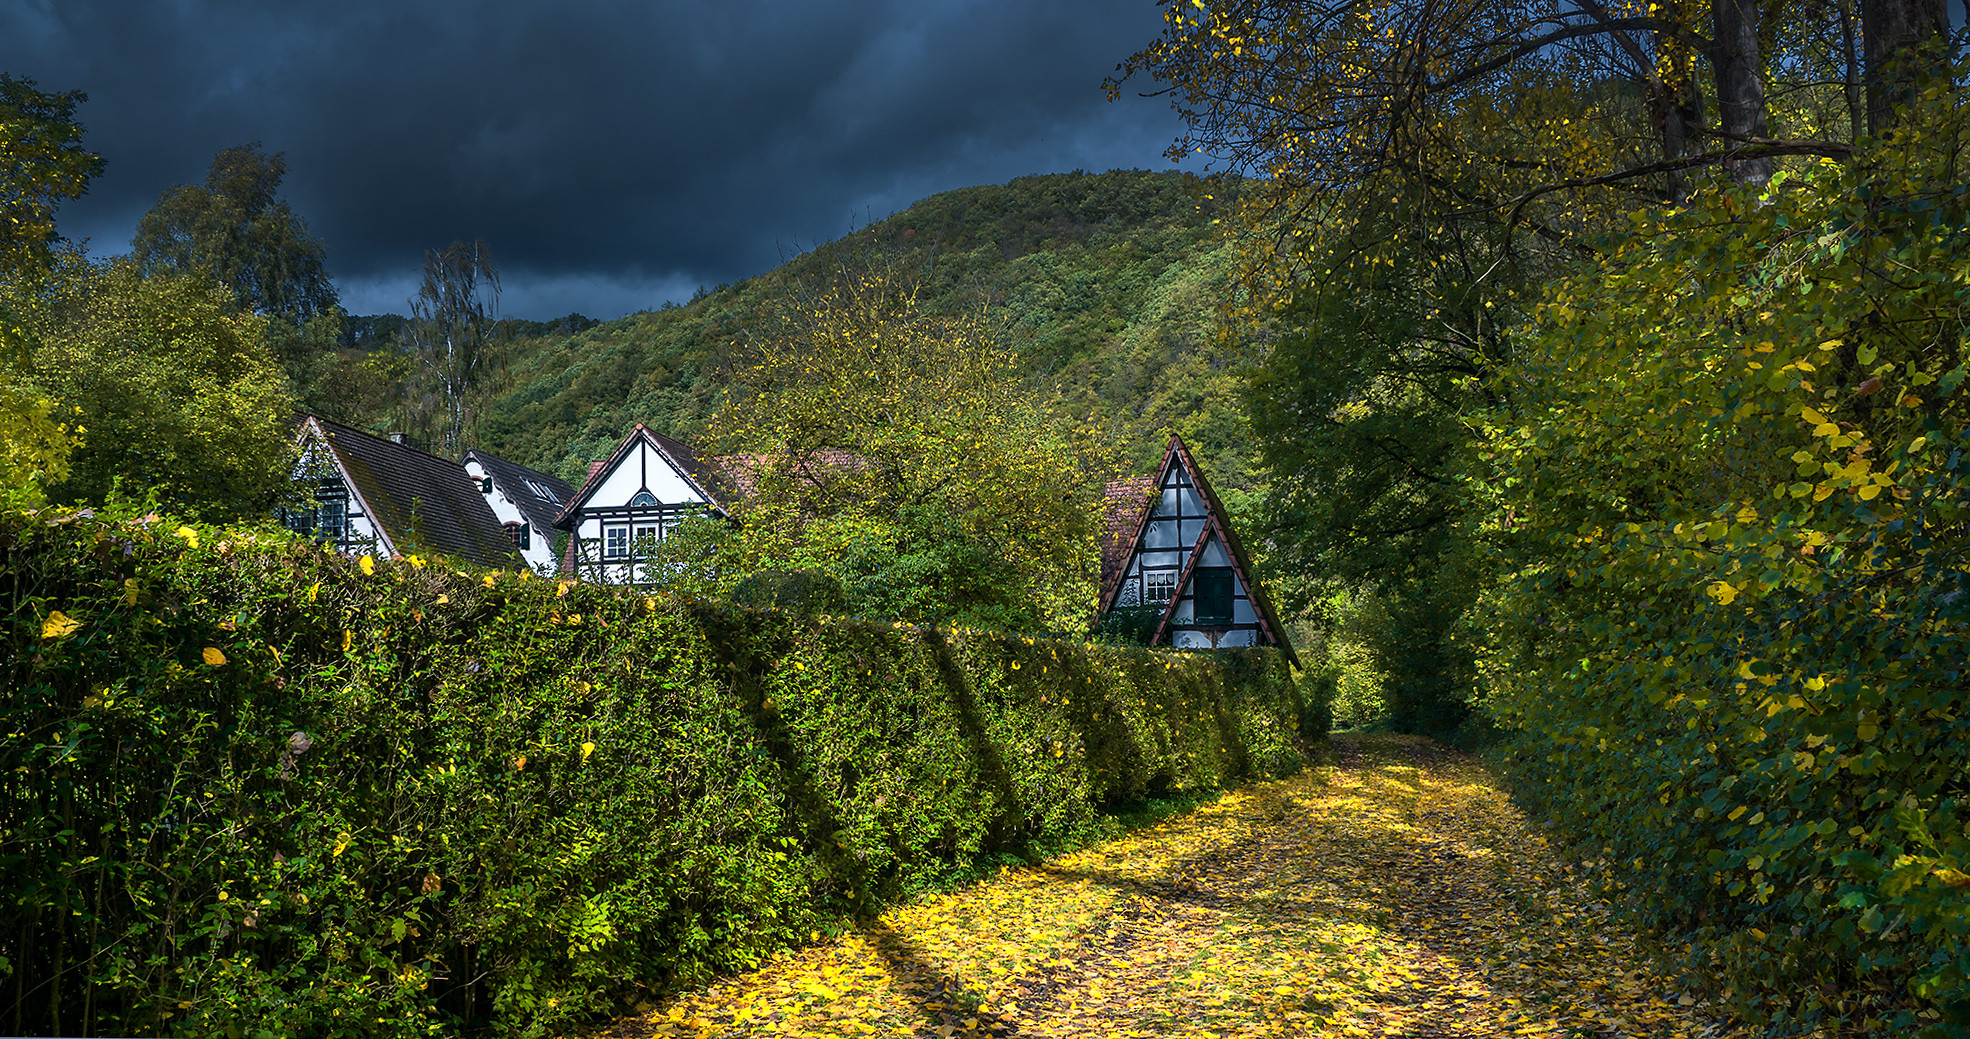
(253, 787)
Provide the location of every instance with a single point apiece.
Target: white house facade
(1185, 563)
(630, 503)
(525, 502)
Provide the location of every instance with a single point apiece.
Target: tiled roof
(419, 500)
(522, 486)
(1123, 503)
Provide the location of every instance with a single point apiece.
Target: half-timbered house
(525, 501)
(630, 503)
(1182, 563)
(368, 494)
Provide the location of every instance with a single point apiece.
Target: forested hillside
(1109, 285)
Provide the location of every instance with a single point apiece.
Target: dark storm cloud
(614, 155)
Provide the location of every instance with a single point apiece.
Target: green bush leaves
(252, 787)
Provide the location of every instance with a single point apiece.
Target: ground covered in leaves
(1391, 891)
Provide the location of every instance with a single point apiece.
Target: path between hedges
(1392, 891)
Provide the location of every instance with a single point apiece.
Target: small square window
(1159, 585)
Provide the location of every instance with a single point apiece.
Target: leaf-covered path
(1393, 891)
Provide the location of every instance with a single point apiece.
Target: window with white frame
(615, 542)
(1159, 585)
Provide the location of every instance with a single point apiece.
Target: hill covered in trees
(1108, 285)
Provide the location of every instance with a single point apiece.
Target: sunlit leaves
(1729, 619)
(1396, 892)
(898, 450)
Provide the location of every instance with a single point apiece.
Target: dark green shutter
(1213, 585)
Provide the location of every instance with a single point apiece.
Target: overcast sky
(614, 155)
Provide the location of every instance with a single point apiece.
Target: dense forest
(1111, 287)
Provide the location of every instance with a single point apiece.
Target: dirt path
(1392, 892)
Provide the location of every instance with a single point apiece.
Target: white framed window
(1159, 585)
(615, 542)
(647, 536)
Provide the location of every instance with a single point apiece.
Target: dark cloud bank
(614, 155)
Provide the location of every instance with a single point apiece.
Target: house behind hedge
(1181, 568)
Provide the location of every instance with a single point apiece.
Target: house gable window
(1159, 585)
(643, 500)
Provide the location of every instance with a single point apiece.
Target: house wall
(1176, 519)
(359, 533)
(539, 552)
(607, 509)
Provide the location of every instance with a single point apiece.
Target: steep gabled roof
(415, 498)
(523, 486)
(1124, 504)
(1178, 454)
(702, 477)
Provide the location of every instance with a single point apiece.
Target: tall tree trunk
(1740, 69)
(1895, 32)
(1850, 50)
(1678, 106)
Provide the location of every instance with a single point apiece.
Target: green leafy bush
(255, 788)
(1729, 637)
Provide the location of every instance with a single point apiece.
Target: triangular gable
(680, 460)
(1216, 526)
(411, 496)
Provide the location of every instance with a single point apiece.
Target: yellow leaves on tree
(59, 625)
(898, 450)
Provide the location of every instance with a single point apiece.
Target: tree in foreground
(1423, 167)
(898, 451)
(42, 163)
(175, 388)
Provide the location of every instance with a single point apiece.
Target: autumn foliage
(251, 783)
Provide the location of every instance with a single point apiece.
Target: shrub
(253, 787)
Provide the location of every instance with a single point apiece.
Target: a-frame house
(630, 502)
(1185, 563)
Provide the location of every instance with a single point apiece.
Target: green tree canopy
(236, 227)
(42, 163)
(171, 387)
(898, 451)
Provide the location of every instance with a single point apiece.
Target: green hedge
(252, 787)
